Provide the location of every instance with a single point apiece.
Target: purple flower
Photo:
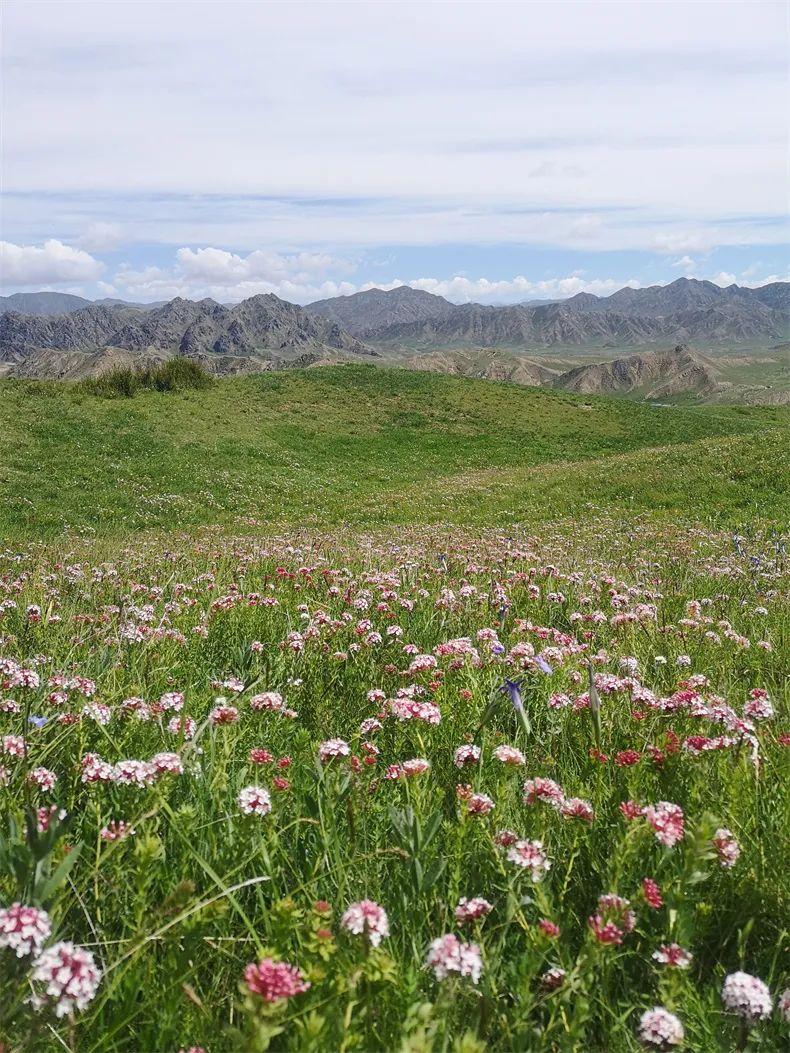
(513, 689)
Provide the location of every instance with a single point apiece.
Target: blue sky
(496, 152)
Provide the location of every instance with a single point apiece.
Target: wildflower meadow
(354, 709)
(432, 790)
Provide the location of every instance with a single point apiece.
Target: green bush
(177, 374)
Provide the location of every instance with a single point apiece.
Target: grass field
(354, 709)
(364, 445)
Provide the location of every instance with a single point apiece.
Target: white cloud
(303, 277)
(461, 289)
(685, 263)
(769, 279)
(102, 237)
(226, 276)
(221, 267)
(52, 263)
(723, 278)
(421, 129)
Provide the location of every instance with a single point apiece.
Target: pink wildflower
(529, 855)
(480, 804)
(274, 981)
(469, 910)
(254, 800)
(660, 1029)
(727, 848)
(24, 929)
(547, 790)
(509, 755)
(576, 808)
(674, 955)
(666, 820)
(466, 755)
(448, 955)
(747, 996)
(333, 748)
(652, 893)
(70, 977)
(369, 918)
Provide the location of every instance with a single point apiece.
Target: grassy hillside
(547, 762)
(366, 445)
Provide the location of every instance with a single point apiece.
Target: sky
(483, 151)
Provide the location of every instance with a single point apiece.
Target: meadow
(366, 446)
(354, 709)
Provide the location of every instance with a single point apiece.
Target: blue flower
(38, 722)
(513, 689)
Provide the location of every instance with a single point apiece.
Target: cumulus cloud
(685, 263)
(52, 263)
(304, 277)
(461, 289)
(723, 278)
(229, 277)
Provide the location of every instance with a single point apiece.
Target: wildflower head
(652, 893)
(529, 855)
(673, 955)
(667, 822)
(469, 910)
(69, 978)
(727, 848)
(448, 954)
(333, 748)
(274, 981)
(660, 1029)
(254, 800)
(24, 929)
(368, 918)
(747, 996)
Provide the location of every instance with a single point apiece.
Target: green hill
(366, 445)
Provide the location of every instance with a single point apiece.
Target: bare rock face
(267, 332)
(485, 364)
(262, 328)
(686, 309)
(368, 312)
(655, 374)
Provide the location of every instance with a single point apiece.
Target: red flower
(652, 893)
(625, 758)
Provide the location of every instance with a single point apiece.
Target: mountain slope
(368, 312)
(42, 304)
(684, 310)
(653, 374)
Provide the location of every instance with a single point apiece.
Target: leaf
(49, 887)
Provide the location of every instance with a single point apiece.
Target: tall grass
(176, 374)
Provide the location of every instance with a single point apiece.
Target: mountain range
(686, 309)
(61, 336)
(254, 334)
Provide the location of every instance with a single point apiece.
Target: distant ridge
(654, 374)
(366, 313)
(42, 303)
(686, 309)
(261, 332)
(266, 332)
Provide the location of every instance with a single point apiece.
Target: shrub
(177, 374)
